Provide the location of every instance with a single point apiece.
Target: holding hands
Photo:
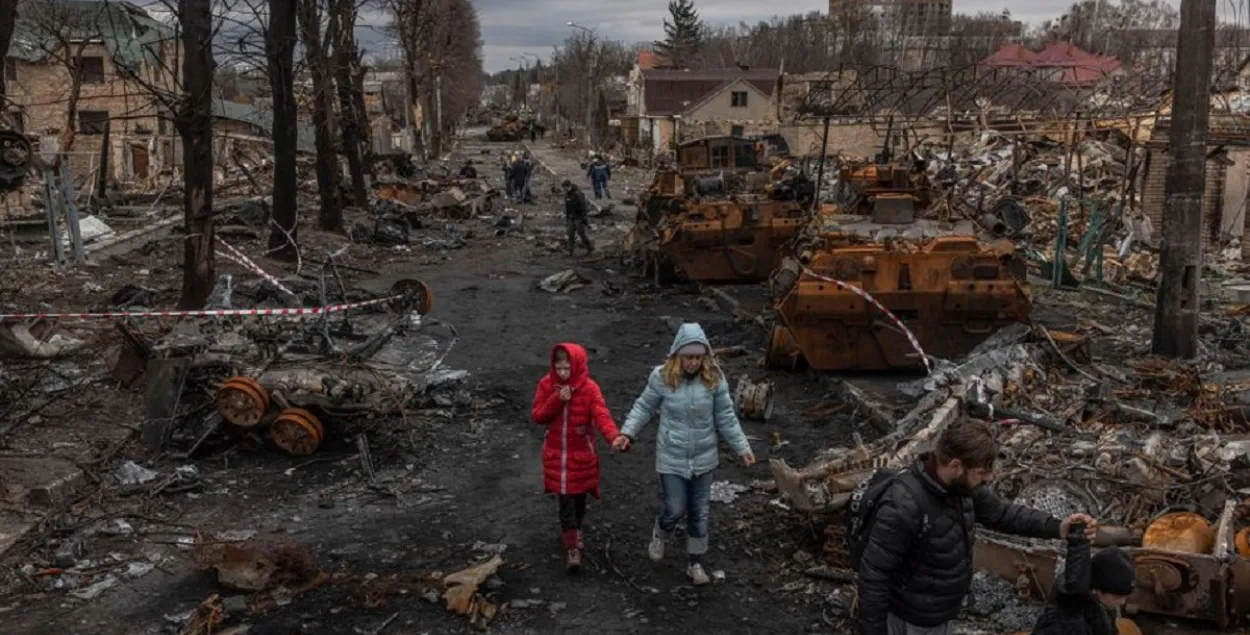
(621, 444)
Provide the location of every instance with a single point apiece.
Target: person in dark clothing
(576, 210)
(1089, 592)
(533, 134)
(468, 171)
(600, 173)
(520, 180)
(916, 567)
(509, 163)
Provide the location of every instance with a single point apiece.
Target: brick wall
(1154, 193)
(42, 91)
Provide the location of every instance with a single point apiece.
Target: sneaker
(655, 550)
(573, 561)
(697, 575)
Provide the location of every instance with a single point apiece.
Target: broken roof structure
(131, 35)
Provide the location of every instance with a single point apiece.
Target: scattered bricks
(41, 482)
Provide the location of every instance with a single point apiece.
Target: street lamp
(590, 83)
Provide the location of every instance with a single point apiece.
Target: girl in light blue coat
(691, 396)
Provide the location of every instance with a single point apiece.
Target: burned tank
(511, 128)
(945, 286)
(718, 215)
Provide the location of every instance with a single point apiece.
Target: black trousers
(577, 229)
(572, 511)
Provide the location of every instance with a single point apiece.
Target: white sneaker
(697, 575)
(655, 550)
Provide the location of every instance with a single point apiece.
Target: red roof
(648, 60)
(1011, 54)
(1079, 68)
(669, 92)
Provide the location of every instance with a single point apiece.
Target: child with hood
(1090, 592)
(691, 396)
(572, 407)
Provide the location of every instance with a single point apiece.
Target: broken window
(739, 99)
(744, 155)
(92, 121)
(10, 69)
(90, 69)
(720, 156)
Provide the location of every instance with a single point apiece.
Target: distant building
(669, 106)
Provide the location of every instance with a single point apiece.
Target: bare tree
(280, 44)
(318, 61)
(341, 34)
(440, 39)
(195, 125)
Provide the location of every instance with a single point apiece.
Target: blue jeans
(601, 189)
(691, 498)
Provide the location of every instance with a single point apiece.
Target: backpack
(861, 512)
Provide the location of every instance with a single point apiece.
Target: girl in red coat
(571, 405)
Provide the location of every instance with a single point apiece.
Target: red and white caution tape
(868, 297)
(117, 315)
(242, 259)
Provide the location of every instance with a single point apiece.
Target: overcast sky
(513, 27)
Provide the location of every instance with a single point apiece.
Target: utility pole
(591, 62)
(1176, 308)
(438, 109)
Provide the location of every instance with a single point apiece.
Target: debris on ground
(462, 596)
(566, 281)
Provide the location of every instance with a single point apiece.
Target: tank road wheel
(297, 432)
(242, 401)
(417, 296)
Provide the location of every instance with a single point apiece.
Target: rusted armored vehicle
(951, 291)
(719, 215)
(511, 128)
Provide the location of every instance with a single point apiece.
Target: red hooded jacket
(570, 461)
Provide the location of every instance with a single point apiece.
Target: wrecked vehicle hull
(717, 217)
(724, 241)
(951, 292)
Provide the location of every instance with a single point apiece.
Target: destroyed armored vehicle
(950, 291)
(512, 128)
(719, 215)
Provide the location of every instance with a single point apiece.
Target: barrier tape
(911, 337)
(243, 260)
(113, 315)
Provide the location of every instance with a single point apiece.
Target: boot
(697, 575)
(572, 550)
(580, 543)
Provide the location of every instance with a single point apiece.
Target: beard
(962, 487)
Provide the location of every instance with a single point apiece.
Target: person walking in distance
(600, 173)
(576, 211)
(690, 395)
(910, 533)
(571, 405)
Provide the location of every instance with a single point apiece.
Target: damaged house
(76, 68)
(674, 105)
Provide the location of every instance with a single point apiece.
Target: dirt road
(470, 474)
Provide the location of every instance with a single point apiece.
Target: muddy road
(468, 475)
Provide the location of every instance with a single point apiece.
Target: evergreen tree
(683, 36)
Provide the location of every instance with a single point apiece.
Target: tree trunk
(8, 18)
(342, 20)
(195, 126)
(362, 114)
(331, 216)
(280, 50)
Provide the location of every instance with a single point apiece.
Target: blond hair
(709, 372)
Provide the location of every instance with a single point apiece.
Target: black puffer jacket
(1076, 611)
(926, 584)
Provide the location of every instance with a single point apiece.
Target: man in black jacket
(576, 211)
(916, 567)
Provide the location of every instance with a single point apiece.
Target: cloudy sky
(511, 28)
